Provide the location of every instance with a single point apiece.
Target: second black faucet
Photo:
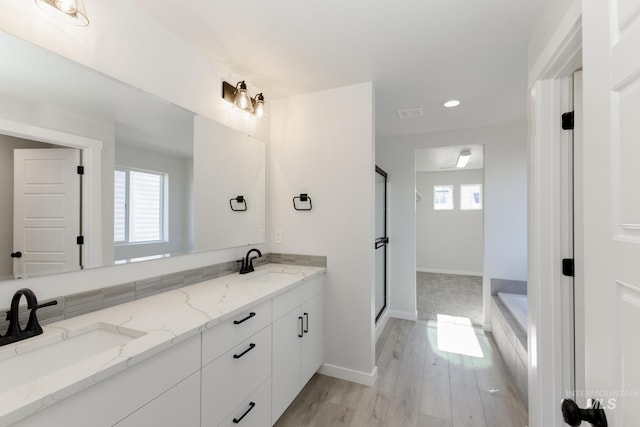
(247, 262)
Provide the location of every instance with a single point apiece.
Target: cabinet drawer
(179, 406)
(124, 392)
(228, 380)
(282, 304)
(229, 333)
(255, 411)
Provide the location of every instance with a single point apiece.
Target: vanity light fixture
(71, 11)
(463, 158)
(259, 105)
(239, 96)
(451, 103)
(242, 99)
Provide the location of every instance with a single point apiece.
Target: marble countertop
(162, 321)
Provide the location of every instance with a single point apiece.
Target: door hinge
(567, 267)
(80, 240)
(80, 170)
(567, 121)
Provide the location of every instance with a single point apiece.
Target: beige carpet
(449, 294)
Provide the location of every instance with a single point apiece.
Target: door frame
(547, 84)
(91, 194)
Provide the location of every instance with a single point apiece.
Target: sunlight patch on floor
(457, 335)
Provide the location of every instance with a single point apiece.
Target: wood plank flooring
(418, 385)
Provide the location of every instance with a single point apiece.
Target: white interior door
(611, 59)
(46, 218)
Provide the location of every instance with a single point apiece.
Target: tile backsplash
(85, 302)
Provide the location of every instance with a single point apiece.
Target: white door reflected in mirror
(46, 218)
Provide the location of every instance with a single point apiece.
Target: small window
(471, 197)
(443, 197)
(139, 206)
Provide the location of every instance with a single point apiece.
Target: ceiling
(419, 53)
(444, 159)
(139, 118)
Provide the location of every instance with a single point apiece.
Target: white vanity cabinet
(179, 406)
(236, 363)
(133, 391)
(298, 342)
(255, 411)
(243, 372)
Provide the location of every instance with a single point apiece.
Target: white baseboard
(381, 324)
(364, 378)
(404, 315)
(462, 272)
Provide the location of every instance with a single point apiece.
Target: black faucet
(33, 328)
(247, 263)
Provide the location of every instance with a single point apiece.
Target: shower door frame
(382, 243)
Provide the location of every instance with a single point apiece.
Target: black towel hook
(240, 200)
(304, 198)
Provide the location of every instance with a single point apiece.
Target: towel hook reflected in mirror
(240, 204)
(304, 201)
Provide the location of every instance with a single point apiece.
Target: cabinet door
(313, 341)
(178, 406)
(287, 361)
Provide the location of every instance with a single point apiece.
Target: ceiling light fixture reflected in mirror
(451, 103)
(71, 11)
(463, 158)
(259, 107)
(239, 96)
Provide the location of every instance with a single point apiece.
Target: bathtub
(509, 330)
(517, 306)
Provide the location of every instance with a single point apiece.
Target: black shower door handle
(382, 241)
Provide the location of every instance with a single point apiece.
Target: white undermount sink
(274, 277)
(43, 355)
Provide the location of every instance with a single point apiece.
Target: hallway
(430, 373)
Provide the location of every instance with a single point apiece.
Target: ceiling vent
(407, 113)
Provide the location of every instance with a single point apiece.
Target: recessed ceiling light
(451, 103)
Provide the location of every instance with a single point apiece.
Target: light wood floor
(418, 385)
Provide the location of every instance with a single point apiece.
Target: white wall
(448, 241)
(180, 209)
(323, 146)
(228, 163)
(7, 145)
(505, 202)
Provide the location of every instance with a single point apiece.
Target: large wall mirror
(148, 179)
